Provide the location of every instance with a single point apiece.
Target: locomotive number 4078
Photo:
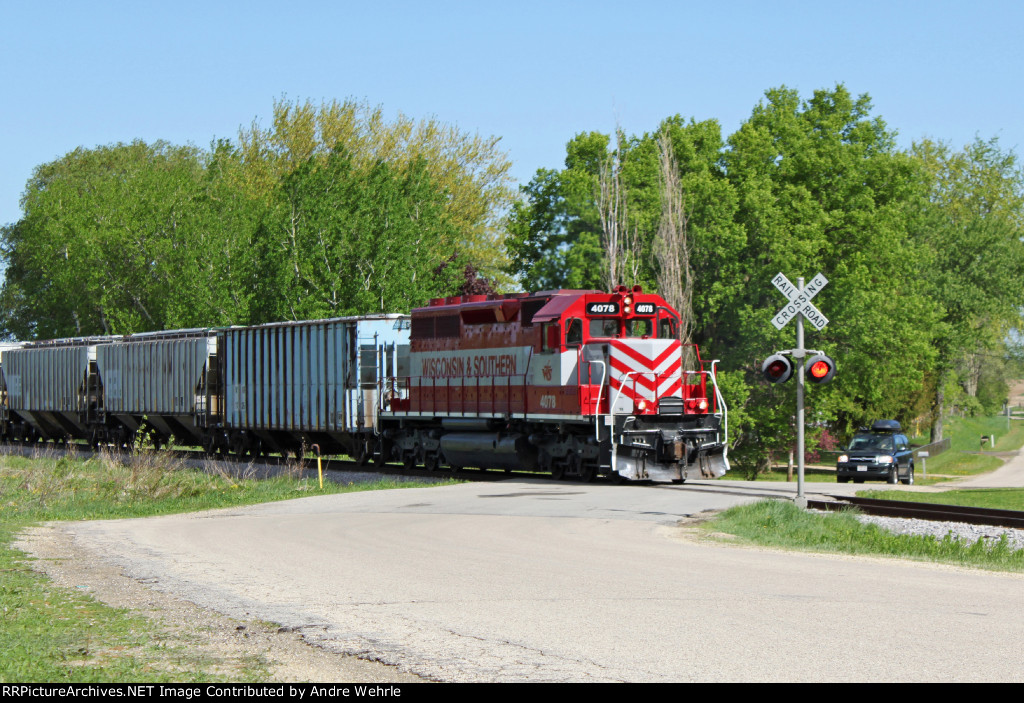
(603, 309)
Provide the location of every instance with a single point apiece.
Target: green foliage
(126, 238)
(471, 170)
(921, 249)
(971, 226)
(345, 242)
(332, 211)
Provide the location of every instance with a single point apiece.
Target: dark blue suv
(882, 453)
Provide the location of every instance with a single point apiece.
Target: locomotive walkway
(534, 580)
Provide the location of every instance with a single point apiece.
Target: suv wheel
(894, 474)
(909, 480)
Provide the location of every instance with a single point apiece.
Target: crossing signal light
(777, 368)
(819, 369)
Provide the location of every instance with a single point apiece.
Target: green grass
(964, 457)
(49, 634)
(777, 523)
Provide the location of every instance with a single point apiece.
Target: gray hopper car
(248, 390)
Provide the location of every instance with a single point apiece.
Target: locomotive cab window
(668, 325)
(574, 333)
(604, 327)
(640, 327)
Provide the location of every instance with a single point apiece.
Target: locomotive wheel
(432, 461)
(558, 469)
(410, 460)
(574, 466)
(588, 472)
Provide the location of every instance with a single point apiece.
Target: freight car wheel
(364, 452)
(382, 452)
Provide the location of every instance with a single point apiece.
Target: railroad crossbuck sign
(799, 302)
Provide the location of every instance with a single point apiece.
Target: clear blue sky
(534, 73)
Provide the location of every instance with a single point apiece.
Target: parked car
(881, 453)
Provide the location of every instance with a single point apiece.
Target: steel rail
(925, 511)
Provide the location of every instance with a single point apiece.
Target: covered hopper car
(572, 383)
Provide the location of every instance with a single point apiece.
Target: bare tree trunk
(672, 246)
(938, 408)
(972, 367)
(621, 244)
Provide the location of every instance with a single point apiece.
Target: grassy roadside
(50, 634)
(781, 524)
(778, 523)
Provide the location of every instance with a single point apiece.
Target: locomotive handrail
(720, 399)
(612, 404)
(598, 416)
(597, 412)
(684, 375)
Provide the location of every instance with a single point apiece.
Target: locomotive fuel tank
(490, 451)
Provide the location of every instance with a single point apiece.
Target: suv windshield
(871, 442)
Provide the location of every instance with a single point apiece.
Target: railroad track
(269, 465)
(924, 511)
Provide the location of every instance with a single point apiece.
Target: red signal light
(820, 369)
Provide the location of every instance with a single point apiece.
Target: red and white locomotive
(572, 382)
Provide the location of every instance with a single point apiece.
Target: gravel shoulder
(233, 643)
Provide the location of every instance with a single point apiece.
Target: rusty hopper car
(575, 383)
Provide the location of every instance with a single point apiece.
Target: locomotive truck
(575, 383)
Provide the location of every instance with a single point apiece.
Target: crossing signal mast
(818, 369)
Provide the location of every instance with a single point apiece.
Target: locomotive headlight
(703, 404)
(627, 300)
(883, 459)
(641, 405)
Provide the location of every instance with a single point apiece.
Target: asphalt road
(538, 581)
